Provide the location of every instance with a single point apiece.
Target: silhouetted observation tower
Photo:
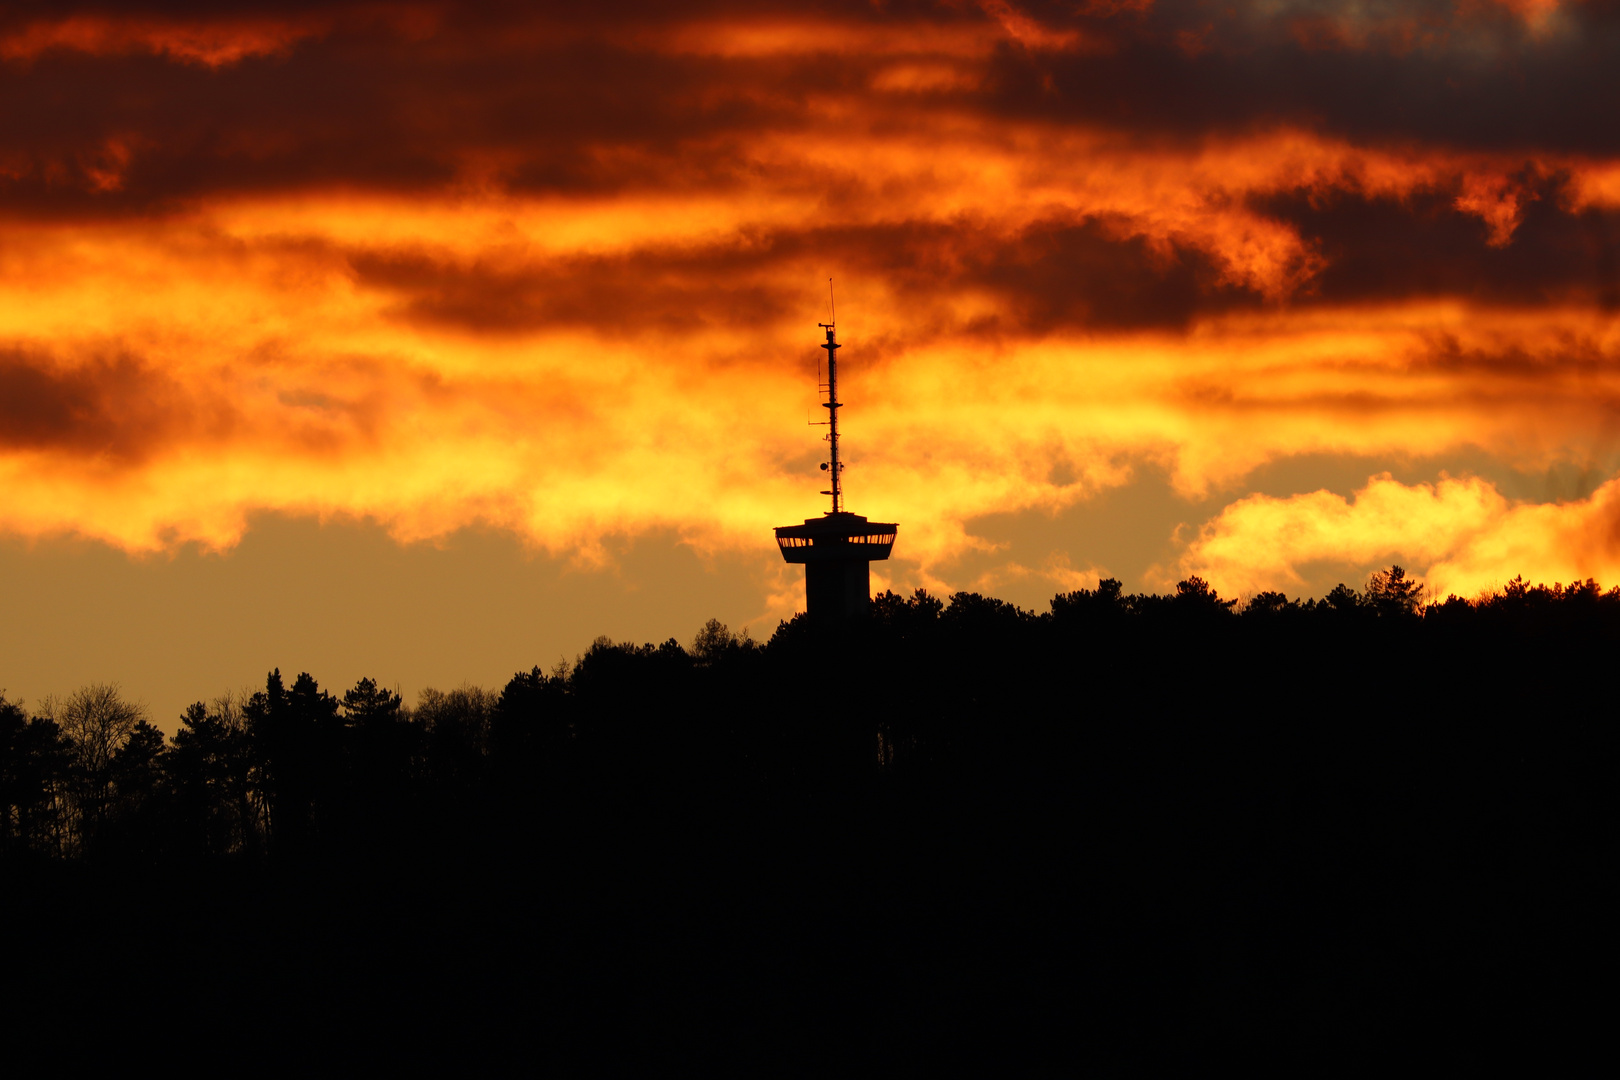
(838, 548)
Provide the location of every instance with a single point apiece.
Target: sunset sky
(430, 341)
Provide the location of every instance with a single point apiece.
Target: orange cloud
(1460, 534)
(1537, 14)
(435, 303)
(1498, 201)
(1027, 31)
(211, 43)
(333, 396)
(572, 366)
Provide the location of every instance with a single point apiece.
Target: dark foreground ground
(1328, 847)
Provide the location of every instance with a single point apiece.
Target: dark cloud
(651, 291)
(1056, 275)
(402, 104)
(1059, 274)
(1080, 275)
(565, 99)
(120, 410)
(1555, 101)
(112, 408)
(1422, 245)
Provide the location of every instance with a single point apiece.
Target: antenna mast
(832, 404)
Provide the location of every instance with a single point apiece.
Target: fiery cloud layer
(559, 271)
(1462, 529)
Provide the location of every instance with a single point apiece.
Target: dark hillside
(1131, 830)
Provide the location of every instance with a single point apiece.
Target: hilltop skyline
(492, 328)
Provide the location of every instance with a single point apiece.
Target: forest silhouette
(1145, 826)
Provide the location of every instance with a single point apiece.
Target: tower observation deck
(837, 548)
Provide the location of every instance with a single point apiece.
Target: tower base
(837, 590)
